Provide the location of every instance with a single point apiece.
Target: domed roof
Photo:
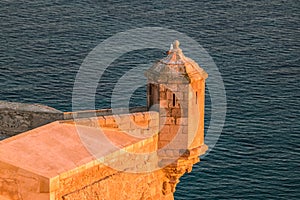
(175, 68)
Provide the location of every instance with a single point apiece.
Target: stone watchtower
(98, 164)
(176, 89)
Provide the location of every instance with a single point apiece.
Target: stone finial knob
(176, 44)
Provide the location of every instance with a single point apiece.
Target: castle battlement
(139, 154)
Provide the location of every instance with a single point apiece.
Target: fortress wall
(139, 124)
(17, 183)
(124, 186)
(98, 179)
(17, 118)
(129, 165)
(115, 176)
(102, 112)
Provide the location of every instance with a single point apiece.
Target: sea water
(255, 45)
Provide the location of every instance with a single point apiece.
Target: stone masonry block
(182, 121)
(149, 132)
(184, 129)
(184, 104)
(164, 104)
(123, 118)
(164, 129)
(110, 121)
(125, 126)
(186, 95)
(162, 143)
(172, 87)
(163, 95)
(138, 117)
(169, 95)
(175, 129)
(183, 87)
(165, 112)
(135, 132)
(184, 113)
(166, 136)
(153, 114)
(101, 121)
(180, 137)
(176, 112)
(153, 123)
(168, 120)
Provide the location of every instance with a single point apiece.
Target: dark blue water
(255, 45)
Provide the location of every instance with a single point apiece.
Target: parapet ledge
(138, 124)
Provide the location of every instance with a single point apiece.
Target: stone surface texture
(138, 154)
(16, 118)
(176, 89)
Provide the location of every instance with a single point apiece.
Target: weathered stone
(73, 160)
(16, 118)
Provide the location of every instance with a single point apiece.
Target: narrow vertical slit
(174, 100)
(196, 97)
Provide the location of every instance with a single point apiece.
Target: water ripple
(255, 44)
